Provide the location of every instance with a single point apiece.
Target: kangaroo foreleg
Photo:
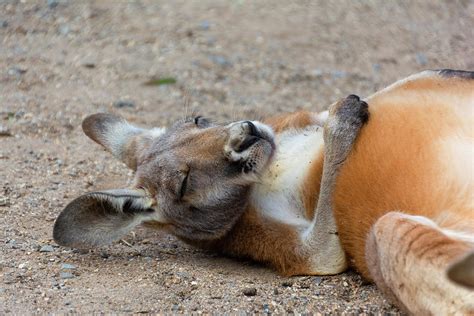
(345, 120)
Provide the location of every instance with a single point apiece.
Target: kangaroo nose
(252, 129)
(253, 135)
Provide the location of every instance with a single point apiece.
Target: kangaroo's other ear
(122, 139)
(462, 271)
(99, 218)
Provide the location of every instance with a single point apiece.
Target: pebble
(64, 29)
(12, 243)
(66, 275)
(421, 59)
(4, 131)
(17, 71)
(250, 291)
(89, 64)
(287, 284)
(22, 265)
(266, 309)
(68, 266)
(220, 60)
(376, 67)
(204, 25)
(3, 201)
(52, 4)
(46, 248)
(3, 24)
(318, 280)
(338, 74)
(124, 104)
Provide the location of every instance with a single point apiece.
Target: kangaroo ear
(122, 139)
(462, 271)
(99, 218)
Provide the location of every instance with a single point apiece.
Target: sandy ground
(63, 60)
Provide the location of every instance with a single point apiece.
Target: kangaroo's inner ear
(122, 139)
(99, 218)
(462, 271)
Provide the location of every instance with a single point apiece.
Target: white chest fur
(278, 195)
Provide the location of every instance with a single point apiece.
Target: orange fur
(282, 122)
(393, 165)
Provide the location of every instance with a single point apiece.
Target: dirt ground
(63, 60)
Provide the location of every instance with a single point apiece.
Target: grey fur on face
(197, 174)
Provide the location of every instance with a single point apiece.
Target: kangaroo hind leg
(408, 258)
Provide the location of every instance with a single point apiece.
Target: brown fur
(282, 122)
(265, 241)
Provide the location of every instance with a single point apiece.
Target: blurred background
(145, 60)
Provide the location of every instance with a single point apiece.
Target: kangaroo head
(192, 179)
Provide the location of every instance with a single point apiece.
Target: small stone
(4, 201)
(3, 24)
(250, 291)
(68, 266)
(287, 284)
(318, 280)
(89, 64)
(276, 291)
(421, 59)
(17, 71)
(104, 255)
(266, 309)
(12, 243)
(220, 60)
(376, 67)
(52, 4)
(46, 248)
(64, 29)
(4, 131)
(66, 275)
(22, 265)
(124, 104)
(204, 25)
(345, 284)
(338, 74)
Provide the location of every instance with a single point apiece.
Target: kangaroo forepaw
(351, 110)
(346, 118)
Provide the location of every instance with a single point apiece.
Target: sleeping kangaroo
(391, 195)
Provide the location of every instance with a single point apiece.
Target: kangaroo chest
(278, 196)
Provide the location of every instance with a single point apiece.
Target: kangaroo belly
(413, 157)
